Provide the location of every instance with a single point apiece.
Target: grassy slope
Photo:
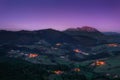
(112, 65)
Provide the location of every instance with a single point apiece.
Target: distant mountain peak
(83, 29)
(89, 29)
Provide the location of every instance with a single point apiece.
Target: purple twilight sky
(59, 14)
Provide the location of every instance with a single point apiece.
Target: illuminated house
(58, 72)
(113, 45)
(58, 44)
(98, 63)
(32, 55)
(77, 69)
(77, 50)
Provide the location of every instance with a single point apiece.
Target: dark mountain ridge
(26, 37)
(86, 36)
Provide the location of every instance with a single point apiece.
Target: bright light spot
(100, 63)
(58, 72)
(113, 45)
(77, 69)
(58, 44)
(32, 55)
(77, 50)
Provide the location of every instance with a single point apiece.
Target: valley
(82, 53)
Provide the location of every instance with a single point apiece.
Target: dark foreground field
(16, 69)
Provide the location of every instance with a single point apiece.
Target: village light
(58, 72)
(77, 50)
(77, 69)
(100, 63)
(32, 55)
(113, 45)
(58, 44)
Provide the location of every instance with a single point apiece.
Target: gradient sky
(59, 14)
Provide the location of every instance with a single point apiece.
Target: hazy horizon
(53, 29)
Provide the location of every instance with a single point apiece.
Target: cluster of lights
(58, 44)
(77, 69)
(113, 45)
(58, 72)
(100, 63)
(77, 50)
(32, 55)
